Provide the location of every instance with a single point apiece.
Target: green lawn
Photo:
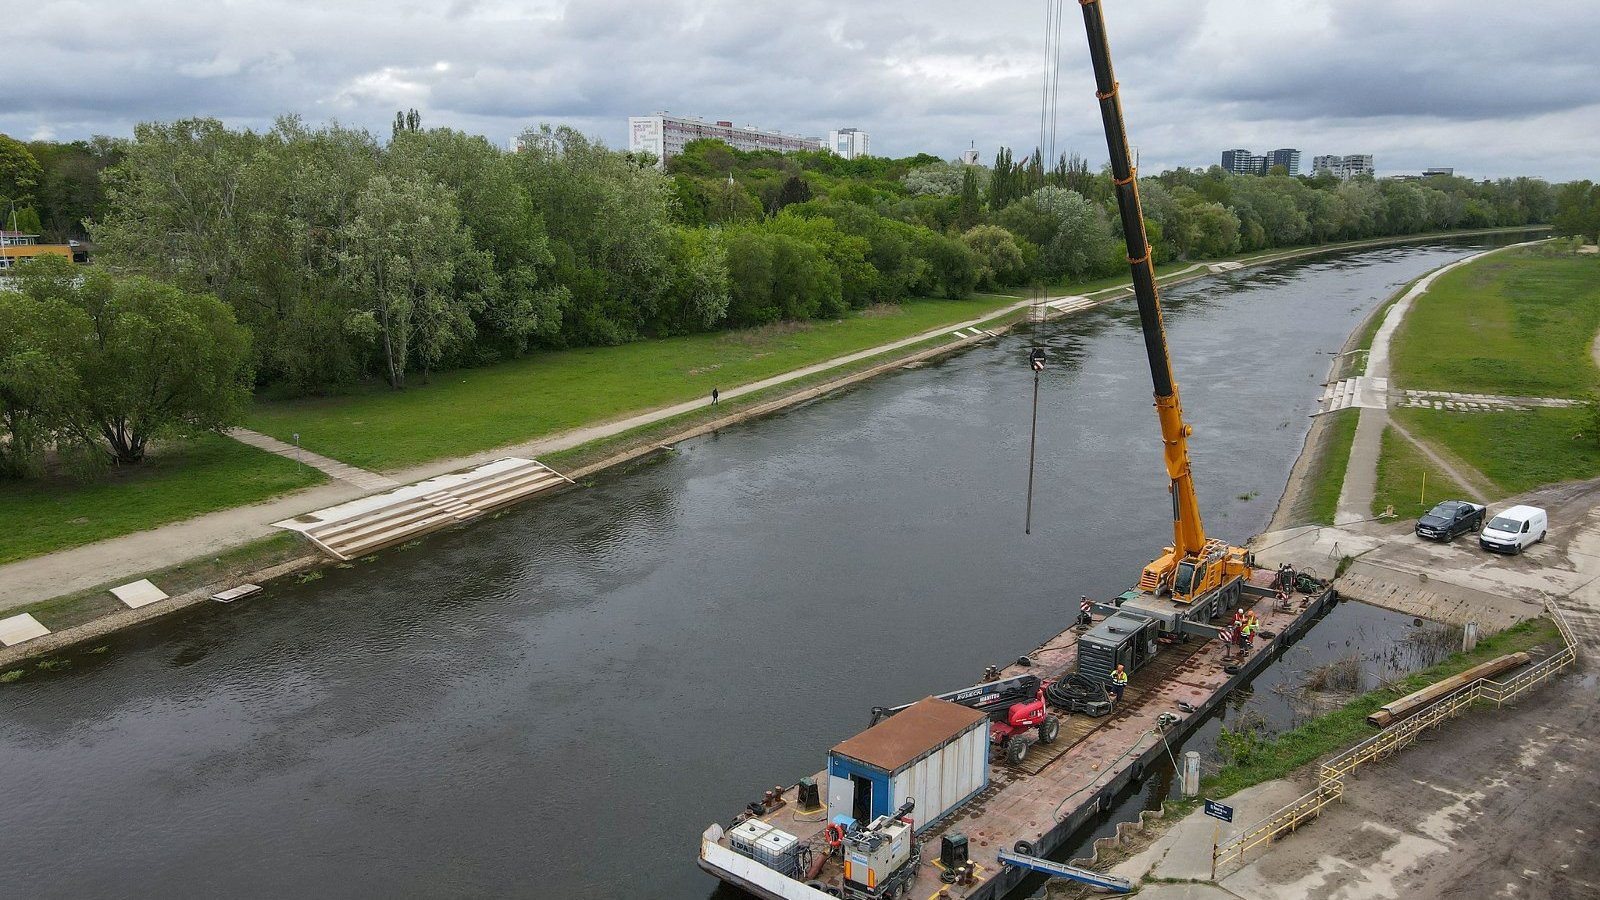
(1341, 729)
(1410, 480)
(210, 473)
(1333, 458)
(1518, 451)
(465, 411)
(1517, 323)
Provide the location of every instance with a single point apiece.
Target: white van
(1514, 530)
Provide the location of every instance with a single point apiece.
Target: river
(555, 703)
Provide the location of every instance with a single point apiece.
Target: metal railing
(1331, 774)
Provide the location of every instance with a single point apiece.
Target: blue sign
(1217, 811)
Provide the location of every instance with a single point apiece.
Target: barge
(1032, 807)
(925, 800)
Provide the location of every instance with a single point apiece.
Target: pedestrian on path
(1119, 683)
(715, 396)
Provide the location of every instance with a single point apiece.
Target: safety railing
(1331, 774)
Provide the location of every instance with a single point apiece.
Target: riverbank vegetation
(1254, 759)
(355, 269)
(1409, 482)
(1521, 323)
(1326, 477)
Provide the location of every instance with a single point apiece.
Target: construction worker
(1247, 635)
(1119, 683)
(1253, 619)
(1238, 617)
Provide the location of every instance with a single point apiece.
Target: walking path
(1361, 477)
(80, 568)
(361, 478)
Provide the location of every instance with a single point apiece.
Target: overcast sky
(1491, 88)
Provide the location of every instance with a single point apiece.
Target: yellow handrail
(1331, 773)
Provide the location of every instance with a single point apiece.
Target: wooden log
(1393, 712)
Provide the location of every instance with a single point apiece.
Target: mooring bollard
(1469, 637)
(1191, 774)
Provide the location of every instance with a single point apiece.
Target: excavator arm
(1189, 544)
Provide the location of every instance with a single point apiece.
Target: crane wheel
(1049, 730)
(1016, 749)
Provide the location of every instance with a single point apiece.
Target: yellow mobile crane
(1193, 566)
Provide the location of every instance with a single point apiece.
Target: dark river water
(556, 702)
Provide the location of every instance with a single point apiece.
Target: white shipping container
(942, 780)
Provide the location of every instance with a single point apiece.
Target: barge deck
(1057, 788)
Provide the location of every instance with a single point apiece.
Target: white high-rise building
(849, 142)
(1343, 167)
(663, 136)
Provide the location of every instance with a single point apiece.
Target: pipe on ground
(1393, 712)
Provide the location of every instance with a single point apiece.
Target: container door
(841, 796)
(861, 807)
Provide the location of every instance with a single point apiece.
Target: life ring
(835, 835)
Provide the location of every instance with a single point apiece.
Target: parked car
(1451, 518)
(1514, 530)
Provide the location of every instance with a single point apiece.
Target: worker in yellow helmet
(1119, 683)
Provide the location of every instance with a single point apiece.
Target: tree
(1577, 210)
(698, 296)
(794, 190)
(36, 376)
(404, 244)
(20, 175)
(141, 359)
(970, 212)
(1000, 260)
(609, 220)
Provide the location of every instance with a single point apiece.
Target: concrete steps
(373, 523)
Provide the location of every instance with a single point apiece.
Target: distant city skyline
(1493, 93)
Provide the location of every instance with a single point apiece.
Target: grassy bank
(1410, 481)
(1518, 451)
(467, 411)
(1326, 477)
(1273, 758)
(173, 483)
(1519, 323)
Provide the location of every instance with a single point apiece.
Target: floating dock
(1036, 806)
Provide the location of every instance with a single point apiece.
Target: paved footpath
(67, 571)
(1361, 478)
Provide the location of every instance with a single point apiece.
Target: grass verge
(1277, 757)
(1410, 481)
(1517, 450)
(209, 473)
(1519, 323)
(466, 411)
(68, 610)
(1326, 478)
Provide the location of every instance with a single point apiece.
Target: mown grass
(1518, 451)
(174, 482)
(1410, 481)
(1274, 758)
(1327, 472)
(466, 411)
(1519, 323)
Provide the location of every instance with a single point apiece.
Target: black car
(1450, 518)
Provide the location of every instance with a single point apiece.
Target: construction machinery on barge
(1014, 765)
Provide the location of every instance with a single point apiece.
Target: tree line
(340, 257)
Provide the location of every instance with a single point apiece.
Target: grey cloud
(1442, 82)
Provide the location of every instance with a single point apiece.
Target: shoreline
(598, 455)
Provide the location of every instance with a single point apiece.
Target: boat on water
(925, 800)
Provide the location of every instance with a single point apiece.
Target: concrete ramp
(394, 517)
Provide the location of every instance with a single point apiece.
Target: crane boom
(1188, 534)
